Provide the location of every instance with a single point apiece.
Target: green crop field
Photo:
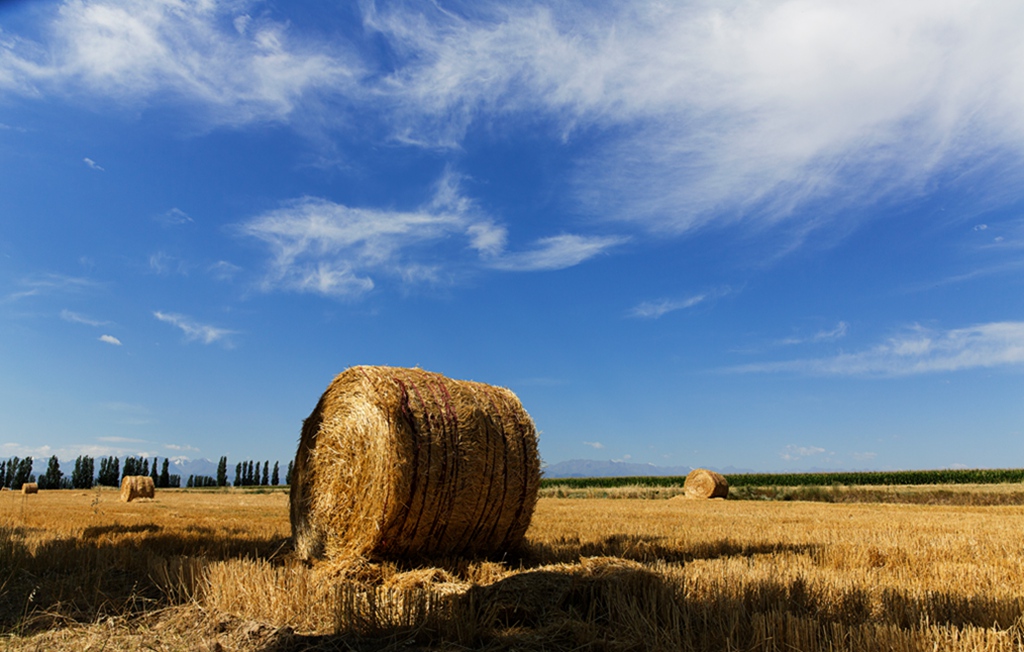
(868, 478)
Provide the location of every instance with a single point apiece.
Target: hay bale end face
(405, 462)
(30, 488)
(136, 486)
(702, 483)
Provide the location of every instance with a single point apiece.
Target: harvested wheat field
(211, 570)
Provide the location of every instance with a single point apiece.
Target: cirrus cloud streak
(918, 351)
(195, 331)
(323, 247)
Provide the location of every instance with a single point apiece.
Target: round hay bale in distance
(30, 488)
(136, 486)
(405, 462)
(702, 483)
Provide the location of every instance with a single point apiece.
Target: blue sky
(768, 235)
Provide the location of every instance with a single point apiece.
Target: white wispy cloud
(71, 451)
(110, 339)
(195, 331)
(919, 350)
(830, 335)
(707, 114)
(327, 248)
(182, 447)
(93, 164)
(716, 113)
(594, 444)
(222, 270)
(658, 308)
(45, 284)
(213, 55)
(793, 452)
(174, 217)
(655, 309)
(77, 318)
(556, 252)
(163, 263)
(836, 333)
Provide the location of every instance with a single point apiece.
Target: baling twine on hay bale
(396, 461)
(702, 483)
(136, 486)
(30, 488)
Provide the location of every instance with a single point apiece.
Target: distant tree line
(248, 474)
(16, 471)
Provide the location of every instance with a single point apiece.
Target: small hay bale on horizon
(405, 462)
(136, 486)
(30, 488)
(702, 483)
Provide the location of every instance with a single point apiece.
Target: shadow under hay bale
(702, 483)
(136, 486)
(405, 462)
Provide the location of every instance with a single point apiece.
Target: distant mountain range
(616, 469)
(186, 467)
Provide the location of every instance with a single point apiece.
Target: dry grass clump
(137, 486)
(396, 462)
(30, 488)
(702, 483)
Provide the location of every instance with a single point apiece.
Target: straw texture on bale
(30, 488)
(702, 483)
(405, 462)
(136, 486)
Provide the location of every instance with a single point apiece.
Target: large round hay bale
(702, 483)
(396, 462)
(30, 488)
(136, 486)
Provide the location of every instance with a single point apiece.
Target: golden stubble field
(210, 570)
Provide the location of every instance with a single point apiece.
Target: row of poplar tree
(16, 471)
(247, 474)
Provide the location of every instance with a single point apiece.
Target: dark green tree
(134, 466)
(222, 472)
(53, 476)
(128, 468)
(275, 478)
(288, 474)
(110, 472)
(265, 480)
(165, 474)
(153, 473)
(22, 473)
(82, 476)
(238, 474)
(12, 471)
